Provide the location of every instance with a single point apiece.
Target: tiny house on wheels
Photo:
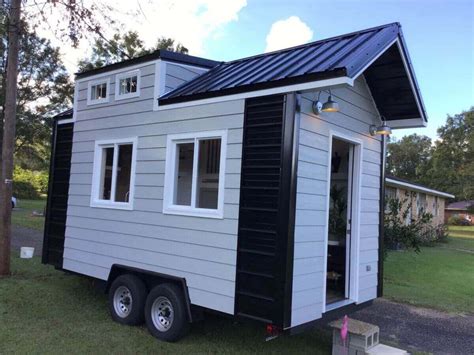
(252, 187)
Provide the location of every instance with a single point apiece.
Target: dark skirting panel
(56, 209)
(266, 216)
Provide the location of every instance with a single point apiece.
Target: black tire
(179, 325)
(137, 290)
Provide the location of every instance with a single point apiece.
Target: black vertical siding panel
(56, 208)
(266, 216)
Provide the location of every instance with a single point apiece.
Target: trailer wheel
(127, 297)
(165, 313)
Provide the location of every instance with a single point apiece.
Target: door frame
(353, 272)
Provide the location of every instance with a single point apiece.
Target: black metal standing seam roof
(158, 54)
(340, 56)
(334, 57)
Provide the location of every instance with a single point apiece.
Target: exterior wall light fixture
(383, 130)
(329, 106)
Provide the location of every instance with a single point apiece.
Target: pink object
(344, 329)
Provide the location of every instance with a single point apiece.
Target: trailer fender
(151, 279)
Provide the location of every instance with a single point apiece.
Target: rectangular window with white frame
(127, 85)
(114, 173)
(195, 171)
(98, 91)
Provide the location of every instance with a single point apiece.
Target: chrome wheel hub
(162, 314)
(123, 301)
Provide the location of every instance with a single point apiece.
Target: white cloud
(288, 33)
(189, 22)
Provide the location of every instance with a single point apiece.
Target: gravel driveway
(412, 328)
(420, 329)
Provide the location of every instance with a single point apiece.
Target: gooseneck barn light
(383, 130)
(329, 106)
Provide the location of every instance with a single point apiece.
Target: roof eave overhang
(397, 183)
(148, 58)
(415, 122)
(300, 84)
(338, 76)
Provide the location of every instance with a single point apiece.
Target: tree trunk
(6, 182)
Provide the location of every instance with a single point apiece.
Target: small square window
(113, 172)
(127, 85)
(195, 173)
(98, 92)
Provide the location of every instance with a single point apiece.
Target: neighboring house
(231, 181)
(459, 209)
(422, 198)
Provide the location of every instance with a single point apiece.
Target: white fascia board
(344, 80)
(407, 123)
(412, 80)
(69, 120)
(396, 183)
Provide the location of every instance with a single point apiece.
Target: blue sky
(439, 36)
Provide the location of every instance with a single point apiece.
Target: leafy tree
(410, 158)
(122, 47)
(44, 89)
(453, 156)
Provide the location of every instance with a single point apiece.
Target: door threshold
(338, 304)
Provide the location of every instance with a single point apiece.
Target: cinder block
(361, 337)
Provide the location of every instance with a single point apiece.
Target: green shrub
(25, 190)
(41, 182)
(433, 234)
(401, 235)
(29, 184)
(442, 233)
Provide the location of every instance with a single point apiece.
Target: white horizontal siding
(177, 75)
(357, 113)
(147, 77)
(202, 250)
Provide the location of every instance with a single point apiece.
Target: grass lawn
(22, 214)
(461, 231)
(440, 277)
(46, 311)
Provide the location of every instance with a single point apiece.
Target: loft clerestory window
(98, 92)
(194, 181)
(127, 85)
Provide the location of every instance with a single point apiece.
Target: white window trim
(89, 89)
(170, 170)
(96, 175)
(356, 219)
(125, 75)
